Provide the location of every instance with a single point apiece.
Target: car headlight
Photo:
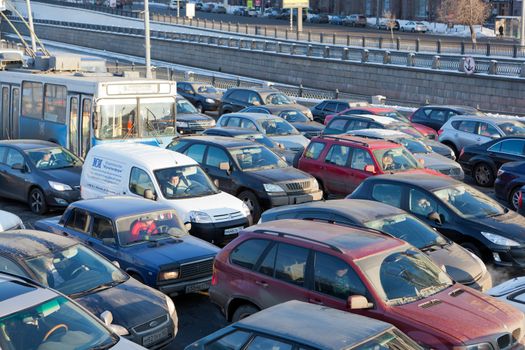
(170, 304)
(315, 185)
(210, 100)
(181, 124)
(212, 122)
(272, 188)
(199, 217)
(500, 240)
(245, 209)
(500, 172)
(480, 346)
(59, 186)
(168, 275)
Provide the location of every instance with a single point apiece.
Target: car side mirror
(19, 166)
(437, 218)
(107, 318)
(149, 194)
(116, 263)
(358, 302)
(370, 169)
(187, 226)
(225, 166)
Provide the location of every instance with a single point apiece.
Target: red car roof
(360, 141)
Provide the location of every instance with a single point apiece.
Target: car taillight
(440, 131)
(520, 200)
(214, 276)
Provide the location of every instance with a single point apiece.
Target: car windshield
(277, 98)
(75, 270)
(207, 89)
(407, 129)
(277, 127)
(390, 340)
(394, 114)
(294, 117)
(469, 202)
(414, 146)
(149, 227)
(512, 127)
(184, 182)
(184, 106)
(54, 324)
(401, 277)
(256, 158)
(53, 158)
(396, 159)
(259, 138)
(409, 229)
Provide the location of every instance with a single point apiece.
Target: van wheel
(253, 204)
(37, 201)
(243, 311)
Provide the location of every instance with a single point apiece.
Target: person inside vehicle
(45, 161)
(388, 162)
(176, 183)
(143, 227)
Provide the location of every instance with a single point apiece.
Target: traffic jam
(333, 224)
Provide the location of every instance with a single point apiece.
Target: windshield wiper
(403, 300)
(103, 346)
(96, 289)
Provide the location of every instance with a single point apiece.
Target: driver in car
(143, 228)
(45, 161)
(388, 162)
(176, 183)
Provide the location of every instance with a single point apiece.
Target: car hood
(8, 220)
(425, 130)
(309, 126)
(296, 106)
(279, 175)
(69, 176)
(131, 303)
(215, 96)
(436, 161)
(440, 148)
(192, 117)
(462, 313)
(291, 141)
(461, 265)
(508, 225)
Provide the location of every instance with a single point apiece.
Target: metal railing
(423, 45)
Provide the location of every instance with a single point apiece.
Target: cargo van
(167, 177)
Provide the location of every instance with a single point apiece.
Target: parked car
(208, 7)
(355, 20)
(276, 128)
(296, 324)
(326, 107)
(92, 281)
(235, 99)
(385, 112)
(434, 116)
(412, 26)
(388, 24)
(317, 18)
(465, 130)
(463, 266)
(41, 173)
(198, 6)
(251, 172)
(203, 96)
(219, 9)
(511, 291)
(341, 163)
(252, 12)
(510, 178)
(190, 120)
(170, 178)
(421, 151)
(359, 271)
(240, 11)
(10, 221)
(457, 210)
(483, 161)
(35, 317)
(301, 122)
(147, 239)
(174, 4)
(336, 20)
(255, 136)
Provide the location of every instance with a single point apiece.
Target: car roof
(114, 207)
(30, 243)
(428, 182)
(355, 243)
(377, 118)
(362, 210)
(485, 118)
(315, 325)
(257, 89)
(381, 133)
(456, 107)
(362, 141)
(221, 140)
(233, 131)
(374, 109)
(252, 116)
(28, 144)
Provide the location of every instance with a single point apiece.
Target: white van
(168, 177)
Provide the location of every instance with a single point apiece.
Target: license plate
(233, 230)
(198, 287)
(155, 337)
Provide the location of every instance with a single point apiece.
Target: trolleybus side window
(86, 125)
(73, 125)
(55, 103)
(32, 99)
(15, 109)
(5, 113)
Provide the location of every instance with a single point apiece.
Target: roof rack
(373, 138)
(339, 138)
(284, 234)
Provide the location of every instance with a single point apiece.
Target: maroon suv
(363, 272)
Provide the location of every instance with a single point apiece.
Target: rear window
(248, 252)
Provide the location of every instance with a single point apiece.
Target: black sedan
(458, 211)
(190, 120)
(39, 172)
(301, 122)
(511, 176)
(483, 161)
(204, 97)
(463, 266)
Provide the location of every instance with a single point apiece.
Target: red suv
(386, 112)
(360, 271)
(340, 163)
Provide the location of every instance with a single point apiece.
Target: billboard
(295, 3)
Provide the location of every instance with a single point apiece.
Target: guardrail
(501, 67)
(423, 45)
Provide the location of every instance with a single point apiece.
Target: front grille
(151, 324)
(300, 186)
(204, 267)
(508, 340)
(200, 123)
(229, 216)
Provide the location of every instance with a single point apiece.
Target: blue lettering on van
(97, 163)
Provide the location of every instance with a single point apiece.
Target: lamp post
(522, 31)
(30, 18)
(147, 44)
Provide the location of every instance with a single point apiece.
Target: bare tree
(465, 12)
(390, 22)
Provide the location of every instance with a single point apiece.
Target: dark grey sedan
(40, 173)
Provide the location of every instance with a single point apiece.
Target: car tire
(199, 107)
(473, 248)
(483, 175)
(513, 198)
(243, 311)
(37, 201)
(251, 200)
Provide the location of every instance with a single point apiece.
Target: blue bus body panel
(31, 128)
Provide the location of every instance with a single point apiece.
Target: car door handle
(261, 283)
(315, 301)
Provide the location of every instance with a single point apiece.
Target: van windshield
(184, 182)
